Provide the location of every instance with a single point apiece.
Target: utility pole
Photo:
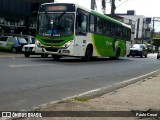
(155, 19)
(143, 31)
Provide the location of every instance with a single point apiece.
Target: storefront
(19, 16)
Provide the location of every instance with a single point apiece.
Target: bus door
(81, 34)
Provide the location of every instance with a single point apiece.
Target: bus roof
(95, 13)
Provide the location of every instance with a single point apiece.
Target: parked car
(29, 49)
(6, 43)
(12, 43)
(30, 39)
(19, 42)
(138, 50)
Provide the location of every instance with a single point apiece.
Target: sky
(148, 8)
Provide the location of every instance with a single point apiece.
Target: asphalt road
(28, 82)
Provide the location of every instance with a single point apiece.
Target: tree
(103, 6)
(113, 7)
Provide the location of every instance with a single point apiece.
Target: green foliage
(156, 36)
(112, 4)
(156, 41)
(81, 99)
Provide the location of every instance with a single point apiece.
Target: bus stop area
(136, 101)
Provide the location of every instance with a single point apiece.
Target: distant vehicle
(29, 49)
(138, 50)
(30, 39)
(19, 42)
(13, 44)
(6, 43)
(150, 48)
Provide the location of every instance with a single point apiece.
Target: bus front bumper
(55, 51)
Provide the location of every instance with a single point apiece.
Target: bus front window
(55, 24)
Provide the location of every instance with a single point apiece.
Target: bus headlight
(38, 43)
(67, 44)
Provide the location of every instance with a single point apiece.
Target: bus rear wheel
(116, 57)
(88, 53)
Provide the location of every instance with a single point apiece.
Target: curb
(101, 91)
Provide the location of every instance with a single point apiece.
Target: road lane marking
(96, 90)
(28, 65)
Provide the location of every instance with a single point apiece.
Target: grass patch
(82, 99)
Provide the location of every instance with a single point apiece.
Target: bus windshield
(55, 24)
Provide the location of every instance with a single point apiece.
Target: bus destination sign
(57, 8)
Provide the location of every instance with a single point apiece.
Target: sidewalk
(141, 96)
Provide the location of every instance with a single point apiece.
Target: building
(18, 16)
(142, 31)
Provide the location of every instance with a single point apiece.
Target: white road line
(91, 91)
(28, 65)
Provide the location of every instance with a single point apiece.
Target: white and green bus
(65, 29)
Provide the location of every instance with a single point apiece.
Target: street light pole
(143, 31)
(155, 19)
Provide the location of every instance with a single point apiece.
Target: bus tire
(118, 52)
(116, 57)
(88, 53)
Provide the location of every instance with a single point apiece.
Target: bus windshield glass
(55, 24)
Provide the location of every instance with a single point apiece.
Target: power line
(122, 3)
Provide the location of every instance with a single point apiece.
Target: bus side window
(84, 24)
(91, 25)
(81, 24)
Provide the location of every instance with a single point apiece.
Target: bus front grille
(52, 49)
(52, 41)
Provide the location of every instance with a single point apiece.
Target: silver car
(138, 50)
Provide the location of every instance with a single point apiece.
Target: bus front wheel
(116, 57)
(88, 53)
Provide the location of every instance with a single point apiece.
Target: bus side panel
(81, 43)
(128, 45)
(122, 46)
(107, 46)
(104, 45)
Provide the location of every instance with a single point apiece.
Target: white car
(30, 48)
